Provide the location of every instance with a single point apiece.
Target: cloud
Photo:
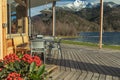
(36, 10)
(97, 1)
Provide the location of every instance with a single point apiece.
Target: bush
(21, 67)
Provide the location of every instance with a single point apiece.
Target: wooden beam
(54, 17)
(1, 41)
(26, 18)
(20, 2)
(101, 23)
(4, 26)
(35, 3)
(26, 26)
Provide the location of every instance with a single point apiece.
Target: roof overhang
(33, 3)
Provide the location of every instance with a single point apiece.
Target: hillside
(67, 23)
(111, 17)
(71, 22)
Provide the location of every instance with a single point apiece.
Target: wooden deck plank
(57, 75)
(89, 76)
(72, 62)
(76, 75)
(81, 63)
(95, 76)
(79, 60)
(116, 78)
(69, 76)
(102, 77)
(108, 77)
(63, 75)
(62, 61)
(106, 63)
(95, 67)
(67, 61)
(83, 75)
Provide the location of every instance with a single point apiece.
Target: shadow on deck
(82, 59)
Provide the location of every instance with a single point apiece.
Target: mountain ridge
(70, 22)
(77, 5)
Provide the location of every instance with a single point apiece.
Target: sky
(36, 10)
(116, 1)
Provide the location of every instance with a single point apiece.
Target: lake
(112, 38)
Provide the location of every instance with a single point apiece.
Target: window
(16, 17)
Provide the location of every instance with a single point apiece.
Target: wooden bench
(21, 44)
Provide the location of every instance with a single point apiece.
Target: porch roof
(34, 3)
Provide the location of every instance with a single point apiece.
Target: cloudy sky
(36, 10)
(116, 1)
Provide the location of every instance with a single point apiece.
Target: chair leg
(44, 57)
(59, 50)
(31, 53)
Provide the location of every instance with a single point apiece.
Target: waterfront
(111, 38)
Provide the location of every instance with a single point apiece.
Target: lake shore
(94, 45)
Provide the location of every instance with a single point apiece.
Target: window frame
(9, 31)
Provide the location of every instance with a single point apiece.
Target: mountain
(69, 22)
(111, 16)
(78, 5)
(110, 4)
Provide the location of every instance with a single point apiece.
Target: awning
(33, 3)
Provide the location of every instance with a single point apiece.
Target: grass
(90, 44)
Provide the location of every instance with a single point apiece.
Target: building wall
(1, 43)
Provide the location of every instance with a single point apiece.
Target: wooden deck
(83, 63)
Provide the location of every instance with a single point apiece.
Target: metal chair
(38, 46)
(56, 46)
(39, 36)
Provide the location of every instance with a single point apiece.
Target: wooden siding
(10, 46)
(4, 26)
(1, 43)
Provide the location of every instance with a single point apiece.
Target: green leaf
(41, 70)
(17, 65)
(1, 64)
(32, 67)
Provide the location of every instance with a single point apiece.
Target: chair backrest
(17, 41)
(26, 39)
(35, 44)
(39, 36)
(48, 38)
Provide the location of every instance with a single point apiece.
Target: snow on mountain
(78, 5)
(110, 4)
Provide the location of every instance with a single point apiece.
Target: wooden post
(26, 26)
(54, 17)
(4, 25)
(1, 38)
(101, 23)
(27, 18)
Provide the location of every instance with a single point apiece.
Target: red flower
(1, 60)
(37, 60)
(27, 58)
(14, 76)
(11, 58)
(0, 69)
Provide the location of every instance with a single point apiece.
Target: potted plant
(21, 67)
